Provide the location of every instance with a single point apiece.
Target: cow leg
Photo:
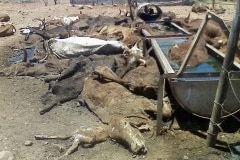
(80, 137)
(48, 108)
(123, 132)
(59, 137)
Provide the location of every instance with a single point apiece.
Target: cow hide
(69, 84)
(4, 18)
(52, 67)
(108, 100)
(123, 132)
(76, 46)
(200, 54)
(6, 29)
(145, 79)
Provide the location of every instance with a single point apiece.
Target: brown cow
(6, 29)
(200, 54)
(4, 18)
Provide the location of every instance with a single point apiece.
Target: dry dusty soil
(20, 105)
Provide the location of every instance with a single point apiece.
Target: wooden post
(222, 88)
(130, 9)
(213, 4)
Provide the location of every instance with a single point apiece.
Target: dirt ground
(20, 105)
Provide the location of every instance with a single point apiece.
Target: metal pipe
(193, 45)
(223, 82)
(161, 87)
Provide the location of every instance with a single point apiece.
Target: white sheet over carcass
(76, 46)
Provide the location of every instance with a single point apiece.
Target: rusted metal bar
(168, 72)
(222, 25)
(193, 45)
(180, 28)
(159, 55)
(148, 51)
(222, 88)
(170, 36)
(221, 54)
(220, 22)
(145, 50)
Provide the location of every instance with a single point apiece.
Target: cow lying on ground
(4, 18)
(200, 8)
(129, 37)
(51, 67)
(6, 29)
(178, 53)
(119, 129)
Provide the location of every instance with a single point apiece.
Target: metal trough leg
(161, 87)
(146, 51)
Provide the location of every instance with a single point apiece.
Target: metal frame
(168, 72)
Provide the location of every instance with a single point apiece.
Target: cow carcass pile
(100, 62)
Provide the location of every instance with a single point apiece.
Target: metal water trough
(195, 88)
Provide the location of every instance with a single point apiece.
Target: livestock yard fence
(224, 3)
(120, 1)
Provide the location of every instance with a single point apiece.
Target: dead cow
(4, 18)
(6, 29)
(119, 129)
(130, 38)
(212, 35)
(200, 54)
(199, 8)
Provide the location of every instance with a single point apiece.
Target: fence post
(213, 4)
(130, 8)
(223, 81)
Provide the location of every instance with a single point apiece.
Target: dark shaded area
(192, 123)
(149, 12)
(70, 83)
(235, 147)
